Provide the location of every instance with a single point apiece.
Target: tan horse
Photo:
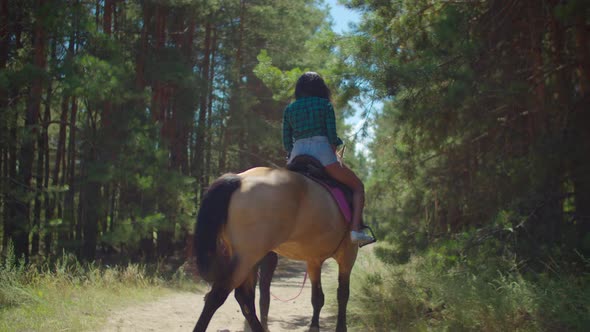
(245, 216)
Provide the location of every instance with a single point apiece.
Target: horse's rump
(288, 212)
(263, 210)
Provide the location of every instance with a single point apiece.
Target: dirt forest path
(179, 312)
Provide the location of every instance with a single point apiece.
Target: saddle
(342, 194)
(313, 169)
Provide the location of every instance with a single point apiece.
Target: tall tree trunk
(235, 97)
(210, 111)
(67, 234)
(11, 171)
(28, 142)
(146, 244)
(582, 30)
(90, 210)
(158, 102)
(108, 17)
(562, 84)
(5, 122)
(111, 188)
(101, 151)
(4, 189)
(186, 123)
(160, 108)
(56, 202)
(141, 55)
(39, 178)
(49, 202)
(581, 136)
(4, 41)
(175, 110)
(536, 22)
(12, 119)
(201, 130)
(48, 207)
(236, 104)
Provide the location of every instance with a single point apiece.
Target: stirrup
(363, 226)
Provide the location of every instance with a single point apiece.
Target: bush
(67, 294)
(431, 292)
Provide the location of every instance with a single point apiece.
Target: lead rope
(293, 298)
(305, 276)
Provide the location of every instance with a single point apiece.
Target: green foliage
(142, 109)
(11, 271)
(284, 28)
(432, 293)
(472, 181)
(463, 145)
(59, 295)
(128, 233)
(25, 285)
(281, 83)
(98, 79)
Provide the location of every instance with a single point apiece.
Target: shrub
(431, 292)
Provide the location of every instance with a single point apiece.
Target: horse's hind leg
(245, 296)
(314, 271)
(345, 259)
(213, 300)
(343, 295)
(268, 266)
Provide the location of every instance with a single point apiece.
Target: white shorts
(317, 146)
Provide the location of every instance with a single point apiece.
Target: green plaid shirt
(308, 117)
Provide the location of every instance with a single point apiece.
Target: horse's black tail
(210, 220)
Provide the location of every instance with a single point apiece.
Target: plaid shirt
(308, 117)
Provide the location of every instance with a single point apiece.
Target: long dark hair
(311, 84)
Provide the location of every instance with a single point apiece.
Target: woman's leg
(345, 175)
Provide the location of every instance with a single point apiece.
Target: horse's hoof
(314, 329)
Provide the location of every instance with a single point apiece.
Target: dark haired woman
(309, 127)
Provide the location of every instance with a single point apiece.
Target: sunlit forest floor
(422, 294)
(290, 306)
(69, 296)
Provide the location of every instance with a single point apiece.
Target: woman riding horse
(309, 128)
(245, 216)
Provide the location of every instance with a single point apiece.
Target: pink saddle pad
(340, 200)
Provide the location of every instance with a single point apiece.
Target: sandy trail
(179, 312)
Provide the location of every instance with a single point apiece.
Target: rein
(293, 298)
(304, 278)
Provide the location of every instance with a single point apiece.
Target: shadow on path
(178, 312)
(296, 321)
(292, 269)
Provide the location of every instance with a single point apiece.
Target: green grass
(72, 308)
(425, 295)
(69, 296)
